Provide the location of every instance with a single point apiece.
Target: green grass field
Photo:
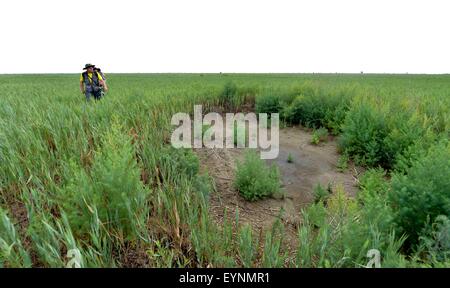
(102, 177)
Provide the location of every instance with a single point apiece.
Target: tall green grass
(101, 177)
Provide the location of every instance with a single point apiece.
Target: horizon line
(249, 73)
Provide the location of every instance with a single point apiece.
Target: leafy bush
(363, 135)
(373, 195)
(111, 190)
(342, 163)
(319, 135)
(404, 131)
(373, 182)
(423, 193)
(321, 194)
(340, 205)
(316, 108)
(317, 214)
(228, 95)
(307, 111)
(415, 151)
(335, 115)
(176, 162)
(268, 103)
(254, 180)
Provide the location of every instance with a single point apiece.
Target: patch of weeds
(255, 180)
(290, 158)
(342, 163)
(319, 135)
(317, 214)
(321, 194)
(268, 103)
(228, 96)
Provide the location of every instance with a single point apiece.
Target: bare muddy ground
(312, 164)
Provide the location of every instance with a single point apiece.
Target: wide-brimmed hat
(88, 66)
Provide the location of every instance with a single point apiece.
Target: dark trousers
(96, 93)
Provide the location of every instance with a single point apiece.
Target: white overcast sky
(395, 36)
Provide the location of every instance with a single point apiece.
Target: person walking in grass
(92, 82)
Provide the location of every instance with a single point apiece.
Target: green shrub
(307, 111)
(423, 193)
(175, 163)
(321, 194)
(254, 180)
(290, 158)
(376, 213)
(373, 181)
(268, 103)
(319, 135)
(342, 163)
(228, 95)
(373, 195)
(335, 115)
(316, 108)
(317, 214)
(415, 151)
(363, 136)
(111, 189)
(409, 133)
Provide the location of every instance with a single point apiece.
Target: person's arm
(82, 89)
(102, 82)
